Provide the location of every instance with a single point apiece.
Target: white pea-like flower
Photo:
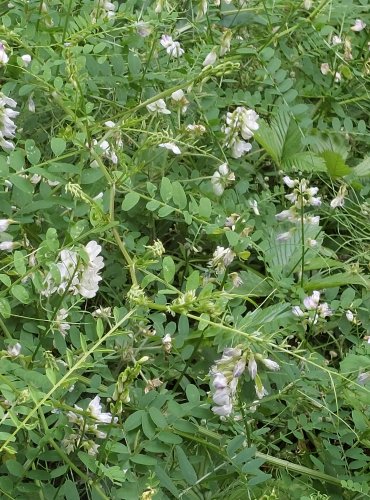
(271, 365)
(210, 58)
(171, 147)
(311, 302)
(14, 350)
(95, 409)
(338, 201)
(359, 25)
(336, 40)
(252, 368)
(158, 106)
(4, 224)
(172, 47)
(325, 68)
(7, 246)
(26, 58)
(3, 55)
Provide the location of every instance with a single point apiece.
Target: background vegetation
(184, 249)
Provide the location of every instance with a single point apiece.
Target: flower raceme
(75, 275)
(314, 309)
(241, 122)
(225, 375)
(7, 126)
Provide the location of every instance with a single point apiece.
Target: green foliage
(142, 239)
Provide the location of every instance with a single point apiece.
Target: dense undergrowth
(184, 247)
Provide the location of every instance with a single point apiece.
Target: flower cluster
(301, 197)
(7, 126)
(221, 178)
(222, 258)
(75, 275)
(314, 309)
(241, 122)
(94, 411)
(225, 375)
(173, 48)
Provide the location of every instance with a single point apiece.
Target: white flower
(338, 201)
(271, 365)
(171, 146)
(95, 409)
(80, 277)
(196, 129)
(225, 42)
(143, 29)
(311, 302)
(236, 279)
(31, 105)
(167, 342)
(3, 55)
(239, 368)
(108, 152)
(179, 98)
(292, 183)
(350, 316)
(252, 368)
(336, 40)
(337, 77)
(363, 378)
(221, 178)
(359, 25)
(7, 246)
(284, 236)
(102, 312)
(222, 397)
(324, 310)
(109, 124)
(14, 350)
(307, 4)
(244, 122)
(297, 311)
(7, 126)
(312, 220)
(158, 106)
(60, 325)
(26, 59)
(210, 59)
(325, 68)
(260, 391)
(310, 242)
(173, 48)
(223, 411)
(4, 224)
(239, 148)
(89, 279)
(254, 206)
(289, 215)
(222, 257)
(91, 448)
(219, 381)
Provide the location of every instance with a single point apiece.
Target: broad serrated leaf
(335, 164)
(305, 161)
(363, 168)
